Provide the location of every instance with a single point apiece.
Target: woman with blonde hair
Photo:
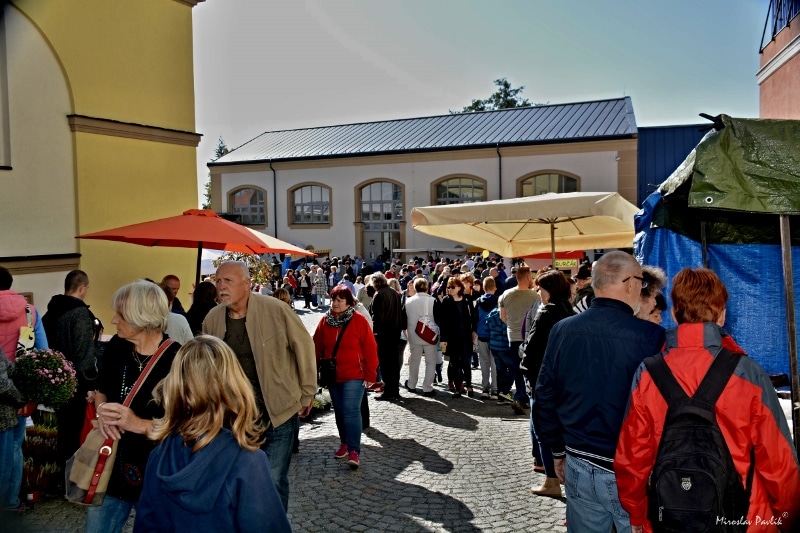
(208, 473)
(140, 351)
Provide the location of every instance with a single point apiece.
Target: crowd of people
(567, 352)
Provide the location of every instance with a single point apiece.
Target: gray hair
(611, 268)
(241, 265)
(656, 280)
(143, 305)
(379, 280)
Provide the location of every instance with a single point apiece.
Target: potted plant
(44, 377)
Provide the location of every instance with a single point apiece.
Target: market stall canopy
(732, 206)
(525, 226)
(197, 228)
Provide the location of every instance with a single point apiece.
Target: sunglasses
(644, 283)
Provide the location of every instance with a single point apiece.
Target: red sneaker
(352, 459)
(341, 453)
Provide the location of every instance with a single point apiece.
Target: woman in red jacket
(356, 366)
(748, 412)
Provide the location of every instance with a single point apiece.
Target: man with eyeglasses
(582, 391)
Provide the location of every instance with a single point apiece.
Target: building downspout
(499, 171)
(274, 201)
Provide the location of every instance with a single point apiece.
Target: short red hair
(697, 295)
(342, 292)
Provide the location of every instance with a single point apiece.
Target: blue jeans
(504, 363)
(541, 451)
(592, 499)
(520, 394)
(346, 398)
(11, 464)
(109, 517)
(278, 446)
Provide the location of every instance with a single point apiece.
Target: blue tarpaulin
(752, 273)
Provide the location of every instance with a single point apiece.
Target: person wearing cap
(583, 299)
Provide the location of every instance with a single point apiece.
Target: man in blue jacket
(583, 388)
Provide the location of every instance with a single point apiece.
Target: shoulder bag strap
(146, 372)
(339, 338)
(107, 448)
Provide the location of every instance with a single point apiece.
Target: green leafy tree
(219, 151)
(260, 269)
(505, 97)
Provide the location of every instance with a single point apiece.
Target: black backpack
(694, 485)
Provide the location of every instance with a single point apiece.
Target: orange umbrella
(197, 228)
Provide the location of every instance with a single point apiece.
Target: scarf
(339, 321)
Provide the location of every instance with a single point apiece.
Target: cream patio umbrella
(534, 224)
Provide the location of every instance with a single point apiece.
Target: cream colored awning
(524, 226)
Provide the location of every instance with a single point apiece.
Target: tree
(219, 151)
(505, 97)
(260, 269)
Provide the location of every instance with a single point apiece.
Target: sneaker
(484, 395)
(503, 397)
(409, 389)
(493, 396)
(518, 407)
(429, 393)
(341, 453)
(352, 459)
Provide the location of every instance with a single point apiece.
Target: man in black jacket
(387, 316)
(73, 330)
(583, 387)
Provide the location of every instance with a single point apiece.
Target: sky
(268, 65)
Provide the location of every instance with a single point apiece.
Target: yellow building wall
(127, 62)
(125, 181)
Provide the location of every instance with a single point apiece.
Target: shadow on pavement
(327, 495)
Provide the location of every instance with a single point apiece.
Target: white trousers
(417, 351)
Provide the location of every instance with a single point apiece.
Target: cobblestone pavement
(439, 464)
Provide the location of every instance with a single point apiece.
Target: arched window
(548, 182)
(249, 204)
(311, 204)
(381, 205)
(461, 190)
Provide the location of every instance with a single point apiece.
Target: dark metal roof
(561, 123)
(661, 149)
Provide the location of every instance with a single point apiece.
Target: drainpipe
(274, 201)
(499, 171)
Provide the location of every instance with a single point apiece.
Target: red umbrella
(197, 228)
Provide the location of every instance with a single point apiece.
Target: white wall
(38, 203)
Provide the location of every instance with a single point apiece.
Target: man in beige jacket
(277, 355)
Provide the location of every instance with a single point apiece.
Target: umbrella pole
(199, 256)
(553, 244)
(791, 325)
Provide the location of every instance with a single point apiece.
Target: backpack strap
(717, 377)
(707, 393)
(666, 383)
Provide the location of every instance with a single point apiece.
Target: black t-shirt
(236, 337)
(119, 372)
